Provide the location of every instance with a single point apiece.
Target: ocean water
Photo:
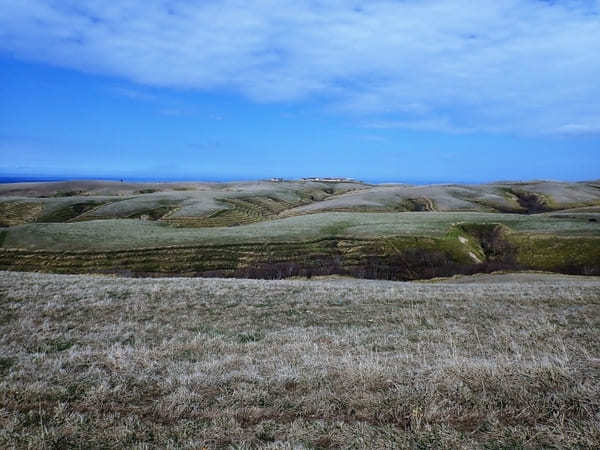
(28, 179)
(39, 179)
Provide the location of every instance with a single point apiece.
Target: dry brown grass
(189, 363)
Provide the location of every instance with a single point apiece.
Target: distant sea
(39, 179)
(27, 179)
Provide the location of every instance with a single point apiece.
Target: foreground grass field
(90, 361)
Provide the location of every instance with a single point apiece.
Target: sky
(382, 91)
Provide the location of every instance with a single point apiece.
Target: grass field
(494, 361)
(490, 361)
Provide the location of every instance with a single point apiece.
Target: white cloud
(134, 94)
(431, 124)
(579, 128)
(516, 65)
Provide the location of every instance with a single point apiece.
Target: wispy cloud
(374, 138)
(134, 94)
(518, 65)
(592, 127)
(430, 124)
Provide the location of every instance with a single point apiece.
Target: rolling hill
(299, 228)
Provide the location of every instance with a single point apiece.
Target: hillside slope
(229, 204)
(91, 361)
(282, 229)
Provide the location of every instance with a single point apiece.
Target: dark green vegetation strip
(468, 248)
(69, 212)
(577, 255)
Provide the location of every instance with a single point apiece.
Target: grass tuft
(6, 364)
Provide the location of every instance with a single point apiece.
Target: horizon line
(15, 179)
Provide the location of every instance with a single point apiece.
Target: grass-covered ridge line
(297, 228)
(193, 363)
(227, 204)
(333, 248)
(128, 234)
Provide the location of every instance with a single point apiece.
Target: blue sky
(411, 91)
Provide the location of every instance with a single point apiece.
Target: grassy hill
(93, 361)
(277, 229)
(230, 204)
(491, 360)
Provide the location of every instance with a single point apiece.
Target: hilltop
(227, 204)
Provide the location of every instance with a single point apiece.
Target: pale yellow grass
(189, 363)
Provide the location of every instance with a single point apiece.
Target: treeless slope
(499, 197)
(90, 187)
(515, 277)
(227, 204)
(92, 361)
(179, 203)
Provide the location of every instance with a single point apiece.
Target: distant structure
(329, 179)
(276, 179)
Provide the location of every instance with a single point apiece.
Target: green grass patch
(131, 234)
(69, 212)
(563, 254)
(247, 337)
(54, 345)
(6, 317)
(67, 194)
(6, 364)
